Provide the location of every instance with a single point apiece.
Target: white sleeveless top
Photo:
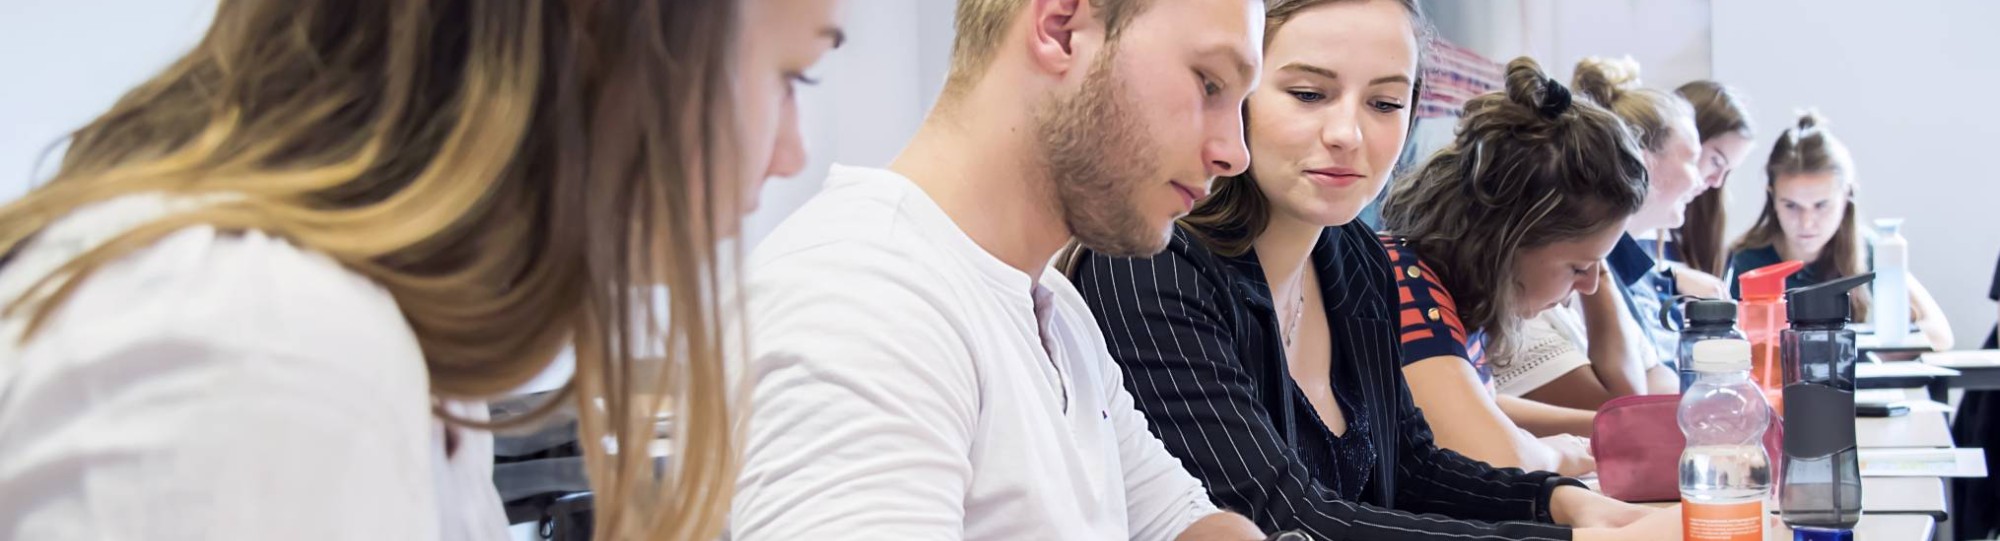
(223, 387)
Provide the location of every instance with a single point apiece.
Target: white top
(223, 387)
(909, 385)
(1556, 341)
(1552, 344)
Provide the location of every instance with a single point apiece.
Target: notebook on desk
(1873, 342)
(1869, 328)
(1901, 369)
(1978, 358)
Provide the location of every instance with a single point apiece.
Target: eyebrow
(1330, 74)
(834, 33)
(1245, 68)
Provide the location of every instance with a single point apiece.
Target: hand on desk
(1572, 454)
(1662, 524)
(1585, 508)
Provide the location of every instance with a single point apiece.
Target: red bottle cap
(1767, 283)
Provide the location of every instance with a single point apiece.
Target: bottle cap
(1710, 311)
(1767, 283)
(1824, 302)
(1724, 355)
(1888, 227)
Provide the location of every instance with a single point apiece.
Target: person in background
(1695, 249)
(1811, 215)
(920, 372)
(1509, 220)
(1624, 349)
(1977, 424)
(235, 309)
(1259, 345)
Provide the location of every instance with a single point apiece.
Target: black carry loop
(539, 473)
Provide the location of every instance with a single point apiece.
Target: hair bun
(1528, 87)
(1604, 79)
(1809, 122)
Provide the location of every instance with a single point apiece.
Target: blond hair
(981, 26)
(517, 175)
(1614, 84)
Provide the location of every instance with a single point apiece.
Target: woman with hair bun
(1506, 222)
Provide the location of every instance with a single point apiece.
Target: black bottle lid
(1824, 303)
(1710, 312)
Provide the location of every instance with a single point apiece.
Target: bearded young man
(919, 372)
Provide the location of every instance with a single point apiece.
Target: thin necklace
(1298, 308)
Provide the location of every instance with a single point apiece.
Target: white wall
(873, 93)
(1669, 38)
(66, 61)
(1906, 85)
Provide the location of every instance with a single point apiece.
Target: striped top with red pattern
(1428, 317)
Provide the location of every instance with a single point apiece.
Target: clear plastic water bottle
(1706, 319)
(1820, 490)
(1891, 312)
(1725, 473)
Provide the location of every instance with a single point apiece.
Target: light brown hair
(1718, 110)
(981, 26)
(1809, 148)
(1231, 218)
(518, 174)
(1614, 84)
(1528, 167)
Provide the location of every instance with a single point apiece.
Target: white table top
(1901, 369)
(1963, 360)
(1903, 495)
(1915, 429)
(1873, 527)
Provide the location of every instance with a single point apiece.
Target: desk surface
(1978, 369)
(1901, 369)
(1885, 495)
(1873, 527)
(1916, 429)
(1916, 342)
(1903, 495)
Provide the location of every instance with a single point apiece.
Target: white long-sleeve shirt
(909, 385)
(223, 387)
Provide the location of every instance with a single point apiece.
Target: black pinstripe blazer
(1202, 356)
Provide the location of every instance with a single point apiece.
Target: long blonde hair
(518, 174)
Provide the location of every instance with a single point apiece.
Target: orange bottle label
(1722, 521)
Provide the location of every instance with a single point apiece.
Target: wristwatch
(1549, 486)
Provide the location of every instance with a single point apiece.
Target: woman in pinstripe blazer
(1292, 407)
